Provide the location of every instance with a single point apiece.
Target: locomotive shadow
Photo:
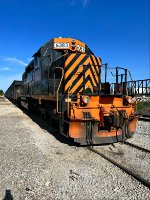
(45, 125)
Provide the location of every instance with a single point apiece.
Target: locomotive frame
(63, 83)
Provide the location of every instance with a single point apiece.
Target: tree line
(1, 93)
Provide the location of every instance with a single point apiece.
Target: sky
(117, 31)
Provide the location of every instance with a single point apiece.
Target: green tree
(1, 92)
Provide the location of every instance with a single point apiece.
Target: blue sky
(118, 31)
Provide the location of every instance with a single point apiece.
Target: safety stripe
(98, 60)
(95, 62)
(69, 58)
(81, 70)
(94, 65)
(77, 85)
(95, 69)
(73, 76)
(90, 72)
(95, 77)
(77, 79)
(68, 79)
(71, 69)
(67, 67)
(70, 61)
(81, 86)
(77, 82)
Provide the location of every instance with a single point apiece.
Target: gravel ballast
(142, 135)
(38, 165)
(129, 157)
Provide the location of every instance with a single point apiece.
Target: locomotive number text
(80, 48)
(61, 45)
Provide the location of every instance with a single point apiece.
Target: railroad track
(137, 147)
(123, 168)
(144, 118)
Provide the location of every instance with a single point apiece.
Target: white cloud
(29, 59)
(4, 69)
(13, 60)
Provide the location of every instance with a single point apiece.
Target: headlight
(131, 100)
(85, 99)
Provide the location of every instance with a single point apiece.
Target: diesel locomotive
(63, 83)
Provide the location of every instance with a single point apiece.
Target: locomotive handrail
(59, 87)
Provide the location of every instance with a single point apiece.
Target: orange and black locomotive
(63, 82)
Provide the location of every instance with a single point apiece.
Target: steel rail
(146, 119)
(148, 116)
(137, 147)
(131, 173)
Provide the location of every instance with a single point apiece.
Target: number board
(80, 48)
(61, 45)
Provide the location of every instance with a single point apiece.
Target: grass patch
(143, 107)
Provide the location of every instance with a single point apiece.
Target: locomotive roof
(16, 82)
(50, 45)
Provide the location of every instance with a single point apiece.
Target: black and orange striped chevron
(81, 71)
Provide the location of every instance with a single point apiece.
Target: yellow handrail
(58, 88)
